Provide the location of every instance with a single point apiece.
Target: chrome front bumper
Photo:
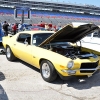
(73, 72)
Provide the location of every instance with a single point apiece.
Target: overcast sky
(88, 2)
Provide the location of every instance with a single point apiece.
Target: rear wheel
(9, 54)
(48, 71)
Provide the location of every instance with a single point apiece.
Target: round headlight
(70, 64)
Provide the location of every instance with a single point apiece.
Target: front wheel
(9, 54)
(48, 71)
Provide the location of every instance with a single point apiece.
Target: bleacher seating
(48, 16)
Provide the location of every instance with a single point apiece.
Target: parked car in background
(36, 28)
(92, 41)
(54, 53)
(1, 34)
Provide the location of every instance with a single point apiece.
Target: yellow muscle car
(53, 53)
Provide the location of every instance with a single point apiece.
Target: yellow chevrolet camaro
(54, 53)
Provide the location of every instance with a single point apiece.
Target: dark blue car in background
(1, 34)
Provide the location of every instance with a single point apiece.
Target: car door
(85, 42)
(92, 41)
(23, 47)
(95, 41)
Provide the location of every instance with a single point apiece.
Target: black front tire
(9, 54)
(48, 71)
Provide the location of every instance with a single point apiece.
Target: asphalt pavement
(21, 81)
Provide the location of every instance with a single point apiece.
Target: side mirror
(25, 42)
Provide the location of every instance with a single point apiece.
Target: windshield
(36, 28)
(40, 37)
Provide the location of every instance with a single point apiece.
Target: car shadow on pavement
(2, 77)
(28, 65)
(75, 82)
(80, 83)
(3, 95)
(83, 82)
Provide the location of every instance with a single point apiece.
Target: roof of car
(36, 32)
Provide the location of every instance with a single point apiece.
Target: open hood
(71, 33)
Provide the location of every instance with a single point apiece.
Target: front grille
(87, 71)
(88, 66)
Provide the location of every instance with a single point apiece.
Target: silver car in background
(91, 41)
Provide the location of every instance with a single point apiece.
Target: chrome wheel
(9, 54)
(8, 51)
(46, 70)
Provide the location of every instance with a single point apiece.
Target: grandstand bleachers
(7, 13)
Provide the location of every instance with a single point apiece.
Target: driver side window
(24, 37)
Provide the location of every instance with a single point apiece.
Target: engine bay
(70, 51)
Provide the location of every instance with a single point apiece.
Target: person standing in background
(14, 28)
(5, 28)
(46, 27)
